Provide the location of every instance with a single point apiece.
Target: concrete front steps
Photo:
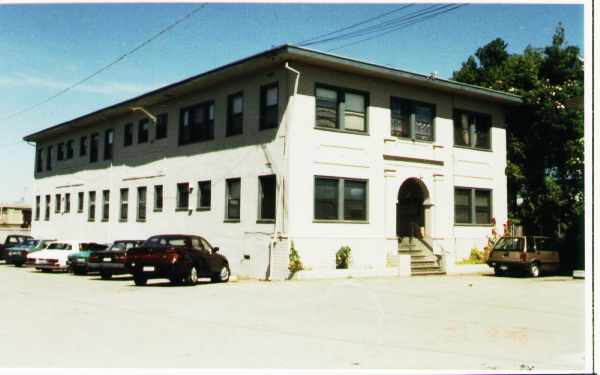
(422, 259)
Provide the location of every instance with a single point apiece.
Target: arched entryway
(412, 209)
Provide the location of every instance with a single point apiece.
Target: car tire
(535, 269)
(192, 276)
(79, 272)
(18, 264)
(139, 280)
(105, 275)
(499, 272)
(223, 275)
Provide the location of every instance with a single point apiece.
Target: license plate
(106, 259)
(148, 268)
(503, 268)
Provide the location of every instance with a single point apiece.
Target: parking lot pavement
(439, 322)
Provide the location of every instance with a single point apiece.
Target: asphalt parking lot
(440, 322)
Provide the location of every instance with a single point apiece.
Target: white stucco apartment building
(287, 145)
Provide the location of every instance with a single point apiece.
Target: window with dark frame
(158, 198)
(67, 202)
(235, 114)
(38, 160)
(183, 196)
(80, 197)
(141, 203)
(412, 119)
(143, 130)
(340, 199)
(70, 149)
(124, 206)
(196, 123)
(37, 207)
(94, 147)
(269, 106)
(49, 158)
(267, 187)
(472, 129)
(472, 206)
(56, 203)
(204, 195)
(128, 134)
(342, 109)
(47, 208)
(91, 206)
(232, 194)
(108, 144)
(60, 151)
(83, 143)
(105, 205)
(162, 122)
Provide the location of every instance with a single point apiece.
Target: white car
(54, 257)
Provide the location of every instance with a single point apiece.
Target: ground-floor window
(57, 203)
(80, 202)
(37, 207)
(67, 202)
(204, 195)
(105, 205)
(267, 187)
(141, 203)
(472, 206)
(47, 211)
(183, 196)
(158, 198)
(92, 206)
(124, 204)
(232, 194)
(340, 199)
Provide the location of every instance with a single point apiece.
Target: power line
(99, 71)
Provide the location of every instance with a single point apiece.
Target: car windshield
(509, 244)
(59, 246)
(122, 245)
(167, 241)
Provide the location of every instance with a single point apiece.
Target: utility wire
(399, 27)
(104, 68)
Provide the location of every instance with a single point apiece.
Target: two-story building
(287, 145)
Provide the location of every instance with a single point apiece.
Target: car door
(215, 261)
(200, 255)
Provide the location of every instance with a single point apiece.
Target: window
(105, 205)
(38, 160)
(413, 120)
(158, 198)
(49, 158)
(232, 194)
(80, 202)
(341, 109)
(204, 192)
(83, 146)
(267, 187)
(57, 203)
(67, 202)
(47, 211)
(91, 206)
(123, 209)
(340, 199)
(269, 106)
(94, 148)
(60, 152)
(183, 196)
(128, 135)
(235, 114)
(70, 149)
(37, 207)
(143, 130)
(196, 123)
(162, 122)
(108, 144)
(141, 203)
(472, 129)
(472, 206)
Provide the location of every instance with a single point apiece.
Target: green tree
(545, 134)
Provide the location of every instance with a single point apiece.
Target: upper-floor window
(412, 119)
(340, 199)
(143, 130)
(38, 160)
(162, 124)
(70, 150)
(94, 148)
(49, 158)
(83, 143)
(269, 106)
(472, 129)
(108, 144)
(196, 123)
(60, 151)
(472, 206)
(128, 135)
(341, 109)
(235, 114)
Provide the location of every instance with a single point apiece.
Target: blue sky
(45, 48)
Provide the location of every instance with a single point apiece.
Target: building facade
(288, 145)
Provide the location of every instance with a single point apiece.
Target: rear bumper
(12, 259)
(112, 267)
(159, 271)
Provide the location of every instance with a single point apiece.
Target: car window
(509, 244)
(31, 243)
(196, 244)
(206, 244)
(59, 246)
(167, 241)
(13, 240)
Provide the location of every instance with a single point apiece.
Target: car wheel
(79, 271)
(18, 264)
(223, 275)
(499, 272)
(534, 269)
(105, 275)
(139, 280)
(192, 277)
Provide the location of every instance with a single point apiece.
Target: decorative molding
(412, 160)
(143, 177)
(342, 164)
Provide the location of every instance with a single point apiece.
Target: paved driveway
(438, 322)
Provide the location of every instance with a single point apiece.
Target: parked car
(78, 262)
(112, 260)
(533, 254)
(12, 240)
(54, 257)
(17, 255)
(179, 258)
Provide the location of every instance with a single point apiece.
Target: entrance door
(410, 213)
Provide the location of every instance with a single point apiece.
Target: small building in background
(15, 218)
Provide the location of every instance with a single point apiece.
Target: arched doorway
(413, 202)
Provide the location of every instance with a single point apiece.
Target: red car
(179, 258)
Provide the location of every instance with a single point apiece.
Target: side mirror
(215, 249)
